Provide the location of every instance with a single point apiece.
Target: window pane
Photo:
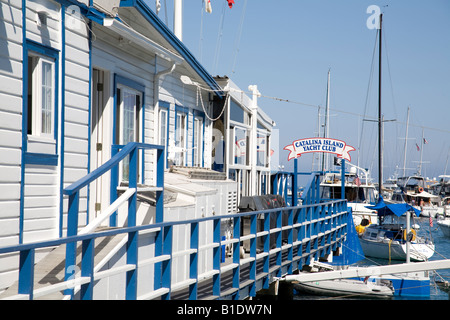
(198, 138)
(129, 116)
(240, 140)
(129, 111)
(180, 138)
(261, 147)
(163, 127)
(46, 109)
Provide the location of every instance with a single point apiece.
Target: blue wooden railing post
(236, 254)
(278, 215)
(71, 247)
(193, 265)
(253, 241)
(295, 184)
(132, 244)
(160, 161)
(114, 185)
(266, 259)
(87, 269)
(290, 239)
(26, 272)
(343, 179)
(167, 264)
(216, 258)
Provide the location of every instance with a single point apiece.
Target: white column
(178, 19)
(253, 139)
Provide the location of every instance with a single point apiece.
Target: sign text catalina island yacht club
(308, 145)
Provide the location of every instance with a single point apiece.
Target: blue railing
(312, 232)
(73, 191)
(298, 234)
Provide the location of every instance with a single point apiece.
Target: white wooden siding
(10, 132)
(48, 35)
(131, 62)
(10, 119)
(76, 112)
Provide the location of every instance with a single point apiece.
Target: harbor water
(442, 251)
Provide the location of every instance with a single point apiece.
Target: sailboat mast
(380, 122)
(326, 131)
(406, 143)
(421, 155)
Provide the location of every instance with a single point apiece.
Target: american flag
(417, 146)
(425, 141)
(357, 181)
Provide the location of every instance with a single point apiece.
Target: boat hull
(344, 288)
(407, 284)
(394, 250)
(444, 225)
(428, 211)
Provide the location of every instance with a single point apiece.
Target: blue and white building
(78, 80)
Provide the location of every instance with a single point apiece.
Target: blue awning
(396, 208)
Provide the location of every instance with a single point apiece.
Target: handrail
(113, 232)
(108, 212)
(83, 182)
(73, 191)
(313, 234)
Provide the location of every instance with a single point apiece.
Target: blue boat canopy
(395, 208)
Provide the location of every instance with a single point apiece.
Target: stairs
(50, 270)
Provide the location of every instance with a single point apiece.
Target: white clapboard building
(80, 77)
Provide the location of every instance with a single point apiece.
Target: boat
(412, 190)
(391, 237)
(358, 193)
(344, 287)
(444, 225)
(389, 186)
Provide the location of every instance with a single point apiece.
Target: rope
(203, 106)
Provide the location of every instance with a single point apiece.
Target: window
(41, 96)
(240, 146)
(128, 115)
(164, 128)
(198, 142)
(261, 148)
(180, 137)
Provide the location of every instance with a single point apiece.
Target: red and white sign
(310, 145)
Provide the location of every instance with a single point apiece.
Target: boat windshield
(411, 183)
(352, 194)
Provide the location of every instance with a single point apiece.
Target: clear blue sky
(287, 47)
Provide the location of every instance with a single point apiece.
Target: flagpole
(406, 143)
(421, 155)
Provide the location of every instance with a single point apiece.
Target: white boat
(389, 239)
(343, 287)
(444, 225)
(346, 288)
(412, 191)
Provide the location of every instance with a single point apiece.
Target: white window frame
(180, 136)
(163, 131)
(198, 141)
(137, 127)
(36, 98)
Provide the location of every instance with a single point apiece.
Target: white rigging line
(219, 38)
(200, 46)
(238, 38)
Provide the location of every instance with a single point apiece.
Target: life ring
(412, 232)
(420, 189)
